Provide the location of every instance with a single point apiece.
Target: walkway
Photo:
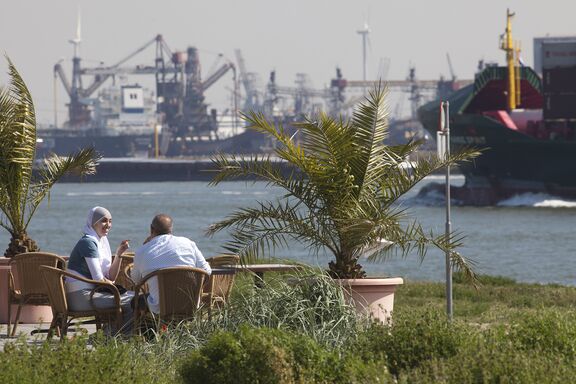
(24, 330)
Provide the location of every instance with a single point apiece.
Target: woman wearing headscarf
(92, 259)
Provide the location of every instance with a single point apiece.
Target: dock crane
(253, 98)
(179, 87)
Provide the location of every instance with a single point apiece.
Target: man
(162, 250)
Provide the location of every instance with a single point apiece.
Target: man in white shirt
(162, 250)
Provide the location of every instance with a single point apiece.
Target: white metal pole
(364, 56)
(449, 305)
(55, 101)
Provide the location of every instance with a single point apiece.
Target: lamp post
(443, 147)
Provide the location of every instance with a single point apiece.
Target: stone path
(25, 331)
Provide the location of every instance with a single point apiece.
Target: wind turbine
(78, 39)
(364, 33)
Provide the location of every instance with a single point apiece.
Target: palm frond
(265, 227)
(81, 163)
(341, 192)
(17, 148)
(371, 129)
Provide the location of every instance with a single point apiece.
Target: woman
(92, 258)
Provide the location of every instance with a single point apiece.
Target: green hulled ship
(524, 123)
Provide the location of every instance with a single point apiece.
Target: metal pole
(449, 306)
(235, 107)
(364, 56)
(156, 148)
(55, 101)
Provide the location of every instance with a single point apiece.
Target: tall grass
(514, 333)
(308, 303)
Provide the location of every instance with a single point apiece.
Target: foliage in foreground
(73, 362)
(309, 303)
(21, 189)
(535, 349)
(274, 356)
(530, 343)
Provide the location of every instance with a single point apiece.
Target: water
(528, 238)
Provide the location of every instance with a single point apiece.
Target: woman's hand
(124, 245)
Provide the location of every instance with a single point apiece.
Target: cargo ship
(524, 123)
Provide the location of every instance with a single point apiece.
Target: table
(258, 270)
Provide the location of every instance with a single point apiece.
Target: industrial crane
(179, 87)
(248, 80)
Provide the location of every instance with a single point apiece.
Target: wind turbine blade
(79, 26)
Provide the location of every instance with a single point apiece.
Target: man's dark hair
(161, 224)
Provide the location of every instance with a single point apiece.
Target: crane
(79, 113)
(452, 74)
(179, 86)
(248, 81)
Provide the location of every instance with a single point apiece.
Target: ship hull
(142, 146)
(107, 146)
(511, 163)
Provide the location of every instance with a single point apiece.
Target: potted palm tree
(341, 195)
(21, 189)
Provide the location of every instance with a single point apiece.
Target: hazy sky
(290, 36)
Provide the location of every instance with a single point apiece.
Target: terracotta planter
(372, 296)
(30, 314)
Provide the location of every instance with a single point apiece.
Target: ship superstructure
(525, 124)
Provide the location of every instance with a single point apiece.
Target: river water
(528, 238)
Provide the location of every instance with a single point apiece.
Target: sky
(296, 36)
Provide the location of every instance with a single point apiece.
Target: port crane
(179, 87)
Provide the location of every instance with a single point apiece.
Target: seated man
(163, 250)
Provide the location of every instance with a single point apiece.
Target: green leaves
(342, 184)
(21, 192)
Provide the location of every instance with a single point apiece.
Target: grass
(503, 331)
(496, 300)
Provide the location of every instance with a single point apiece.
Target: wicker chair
(217, 288)
(180, 290)
(123, 275)
(62, 316)
(30, 289)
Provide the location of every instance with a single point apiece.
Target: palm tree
(342, 191)
(21, 189)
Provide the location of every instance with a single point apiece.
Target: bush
(273, 356)
(414, 337)
(492, 363)
(546, 331)
(75, 362)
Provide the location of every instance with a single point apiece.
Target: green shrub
(546, 331)
(273, 356)
(492, 363)
(75, 362)
(414, 337)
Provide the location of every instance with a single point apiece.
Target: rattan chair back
(124, 278)
(179, 290)
(220, 286)
(54, 282)
(28, 279)
(25, 284)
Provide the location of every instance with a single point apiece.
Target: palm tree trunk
(346, 269)
(20, 243)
